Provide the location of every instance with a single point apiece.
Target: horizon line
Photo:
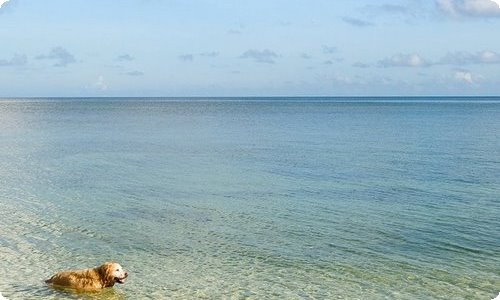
(247, 97)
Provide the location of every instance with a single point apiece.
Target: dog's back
(87, 279)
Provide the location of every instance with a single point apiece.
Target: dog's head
(112, 273)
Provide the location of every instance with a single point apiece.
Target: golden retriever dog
(91, 279)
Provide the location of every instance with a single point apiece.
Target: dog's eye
(117, 270)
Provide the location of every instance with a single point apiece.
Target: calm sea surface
(253, 198)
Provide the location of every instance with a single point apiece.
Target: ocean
(253, 198)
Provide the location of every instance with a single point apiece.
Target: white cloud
(458, 58)
(5, 5)
(101, 83)
(467, 58)
(403, 60)
(470, 8)
(343, 79)
(489, 57)
(464, 76)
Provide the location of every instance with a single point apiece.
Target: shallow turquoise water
(253, 198)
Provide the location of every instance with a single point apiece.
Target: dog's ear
(106, 273)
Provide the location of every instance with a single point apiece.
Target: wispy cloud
(305, 56)
(186, 57)
(360, 65)
(7, 5)
(261, 56)
(237, 29)
(60, 55)
(125, 57)
(189, 57)
(329, 49)
(357, 22)
(209, 54)
(2, 2)
(403, 60)
(409, 11)
(466, 58)
(135, 73)
(458, 58)
(394, 9)
(16, 60)
(470, 8)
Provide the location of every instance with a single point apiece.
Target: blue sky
(249, 48)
